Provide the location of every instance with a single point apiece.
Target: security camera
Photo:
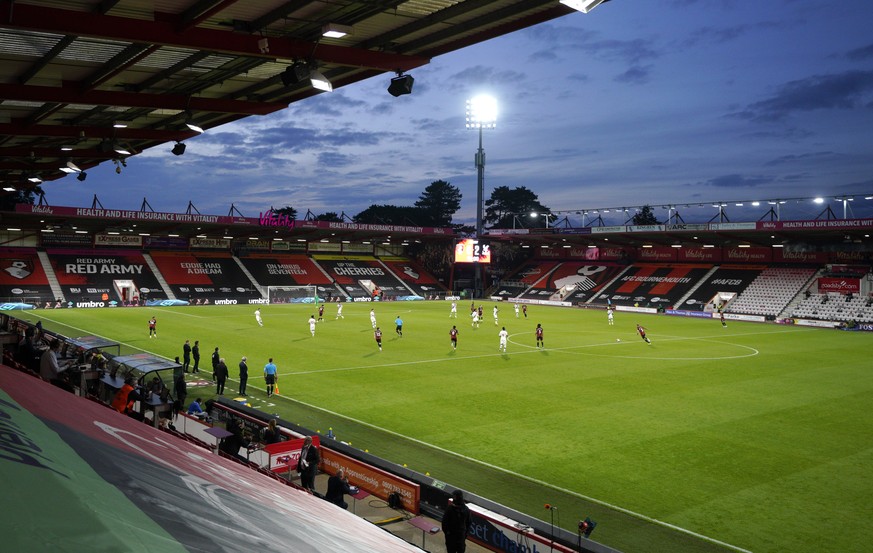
(118, 169)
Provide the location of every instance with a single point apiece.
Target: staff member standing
(270, 376)
(456, 523)
(243, 375)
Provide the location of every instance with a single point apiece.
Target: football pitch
(753, 437)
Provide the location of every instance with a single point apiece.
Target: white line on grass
(525, 477)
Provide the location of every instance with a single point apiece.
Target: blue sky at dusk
(638, 102)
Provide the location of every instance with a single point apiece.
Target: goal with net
(293, 294)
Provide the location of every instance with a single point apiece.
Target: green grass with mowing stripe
(751, 437)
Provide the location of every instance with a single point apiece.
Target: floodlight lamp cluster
(301, 71)
(481, 113)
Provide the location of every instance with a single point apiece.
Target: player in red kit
(153, 328)
(642, 332)
(453, 335)
(378, 336)
(539, 331)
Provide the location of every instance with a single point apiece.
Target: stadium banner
(572, 230)
(543, 302)
(211, 243)
(335, 225)
(498, 533)
(748, 318)
(748, 255)
(857, 270)
(805, 225)
(645, 228)
(816, 323)
(684, 313)
(325, 247)
(128, 216)
(852, 257)
(635, 309)
(260, 245)
(505, 231)
(101, 470)
(358, 248)
(612, 253)
(608, 230)
(573, 252)
(550, 253)
(866, 327)
(657, 253)
(700, 255)
(683, 226)
(732, 226)
(839, 285)
(785, 255)
(118, 240)
(452, 298)
(60, 239)
(165, 242)
(372, 479)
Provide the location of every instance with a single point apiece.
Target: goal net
(293, 294)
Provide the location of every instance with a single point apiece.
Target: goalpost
(293, 294)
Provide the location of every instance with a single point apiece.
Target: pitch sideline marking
(525, 477)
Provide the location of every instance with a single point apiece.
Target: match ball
(618, 339)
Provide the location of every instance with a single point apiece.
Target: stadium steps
(160, 278)
(50, 274)
(799, 297)
(609, 284)
(261, 289)
(397, 278)
(695, 287)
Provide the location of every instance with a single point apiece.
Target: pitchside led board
(472, 251)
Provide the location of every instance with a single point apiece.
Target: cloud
(635, 75)
(721, 35)
(738, 181)
(846, 90)
(574, 40)
(794, 158)
(480, 75)
(860, 54)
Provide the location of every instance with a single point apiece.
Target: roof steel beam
(18, 129)
(72, 93)
(163, 30)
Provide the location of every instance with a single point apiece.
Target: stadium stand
(104, 276)
(22, 278)
(287, 270)
(771, 291)
(651, 285)
(205, 276)
(362, 276)
(524, 278)
(724, 280)
(835, 307)
(414, 276)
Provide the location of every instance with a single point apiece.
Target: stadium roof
(81, 82)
